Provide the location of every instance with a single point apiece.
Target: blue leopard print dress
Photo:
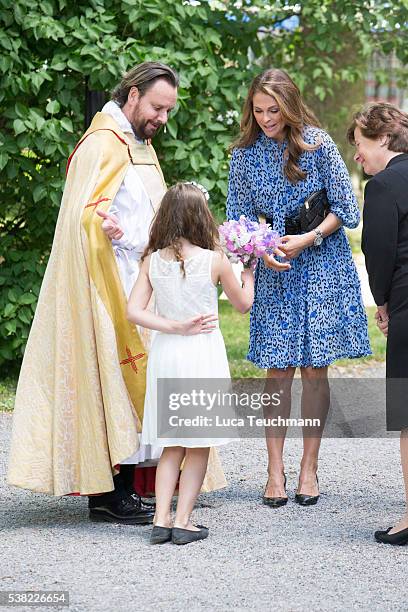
(313, 313)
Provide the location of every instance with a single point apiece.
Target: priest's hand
(110, 225)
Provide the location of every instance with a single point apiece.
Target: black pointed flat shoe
(275, 502)
(160, 535)
(307, 500)
(186, 536)
(397, 539)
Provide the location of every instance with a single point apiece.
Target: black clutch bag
(313, 211)
(311, 214)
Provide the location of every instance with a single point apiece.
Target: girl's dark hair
(143, 76)
(183, 213)
(295, 112)
(382, 119)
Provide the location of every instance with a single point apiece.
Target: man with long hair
(80, 396)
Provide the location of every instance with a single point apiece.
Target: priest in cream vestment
(80, 396)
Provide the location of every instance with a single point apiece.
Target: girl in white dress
(182, 265)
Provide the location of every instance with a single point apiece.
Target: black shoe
(186, 536)
(307, 500)
(119, 492)
(275, 502)
(140, 503)
(147, 503)
(126, 475)
(160, 535)
(122, 510)
(398, 539)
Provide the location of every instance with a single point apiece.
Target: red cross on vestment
(97, 202)
(131, 359)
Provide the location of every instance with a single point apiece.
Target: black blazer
(385, 229)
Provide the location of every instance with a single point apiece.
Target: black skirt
(397, 358)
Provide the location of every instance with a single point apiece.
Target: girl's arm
(240, 297)
(137, 310)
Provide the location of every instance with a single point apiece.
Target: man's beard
(143, 129)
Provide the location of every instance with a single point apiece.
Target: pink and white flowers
(246, 241)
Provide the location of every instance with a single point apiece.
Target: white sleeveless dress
(176, 356)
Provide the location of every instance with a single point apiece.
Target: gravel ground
(292, 558)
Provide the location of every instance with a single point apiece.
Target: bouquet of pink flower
(245, 241)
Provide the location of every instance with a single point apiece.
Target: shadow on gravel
(20, 514)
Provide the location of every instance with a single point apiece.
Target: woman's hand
(382, 318)
(293, 245)
(274, 264)
(200, 324)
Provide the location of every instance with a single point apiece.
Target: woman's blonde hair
(295, 113)
(183, 213)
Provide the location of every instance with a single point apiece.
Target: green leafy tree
(52, 49)
(328, 54)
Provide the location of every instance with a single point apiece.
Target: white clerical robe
(134, 210)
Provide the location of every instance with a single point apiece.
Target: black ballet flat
(186, 536)
(397, 539)
(275, 502)
(307, 500)
(160, 535)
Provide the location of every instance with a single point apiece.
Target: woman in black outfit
(380, 134)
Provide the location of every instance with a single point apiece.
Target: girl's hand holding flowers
(247, 274)
(245, 241)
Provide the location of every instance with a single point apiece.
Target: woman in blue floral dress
(308, 310)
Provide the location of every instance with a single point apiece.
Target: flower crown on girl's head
(200, 187)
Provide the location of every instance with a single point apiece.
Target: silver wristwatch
(319, 238)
